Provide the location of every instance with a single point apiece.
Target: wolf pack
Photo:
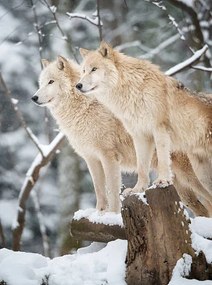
(123, 114)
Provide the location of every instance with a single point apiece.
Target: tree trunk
(158, 235)
(69, 182)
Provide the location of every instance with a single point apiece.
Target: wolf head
(98, 71)
(55, 79)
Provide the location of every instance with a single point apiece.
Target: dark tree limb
(84, 229)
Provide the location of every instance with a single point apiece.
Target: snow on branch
(203, 68)
(187, 63)
(19, 114)
(94, 21)
(30, 180)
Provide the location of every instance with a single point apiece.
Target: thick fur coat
(156, 110)
(100, 138)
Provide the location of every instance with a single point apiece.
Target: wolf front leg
(144, 147)
(163, 145)
(98, 177)
(113, 182)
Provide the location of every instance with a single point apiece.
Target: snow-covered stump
(158, 235)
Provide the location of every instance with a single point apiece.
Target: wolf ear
(61, 62)
(106, 50)
(45, 62)
(84, 52)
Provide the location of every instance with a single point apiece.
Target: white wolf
(101, 139)
(155, 109)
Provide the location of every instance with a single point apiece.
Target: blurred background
(165, 32)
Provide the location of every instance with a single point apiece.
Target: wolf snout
(79, 86)
(34, 98)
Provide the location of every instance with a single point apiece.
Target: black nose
(79, 86)
(35, 98)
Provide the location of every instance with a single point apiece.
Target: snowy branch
(19, 114)
(187, 63)
(93, 21)
(30, 180)
(189, 9)
(203, 68)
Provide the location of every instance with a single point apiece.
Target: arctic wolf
(156, 110)
(102, 141)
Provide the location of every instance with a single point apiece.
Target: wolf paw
(161, 183)
(130, 191)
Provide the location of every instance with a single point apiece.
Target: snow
(187, 62)
(94, 21)
(93, 215)
(104, 266)
(97, 264)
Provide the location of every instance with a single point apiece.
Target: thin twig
(99, 20)
(19, 115)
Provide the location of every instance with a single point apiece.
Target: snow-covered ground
(97, 264)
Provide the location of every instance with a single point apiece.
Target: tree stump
(84, 229)
(158, 235)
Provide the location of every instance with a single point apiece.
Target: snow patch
(95, 216)
(107, 266)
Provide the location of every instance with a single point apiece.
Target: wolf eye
(94, 69)
(51, 81)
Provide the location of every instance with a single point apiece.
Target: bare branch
(38, 30)
(188, 62)
(99, 19)
(30, 180)
(19, 114)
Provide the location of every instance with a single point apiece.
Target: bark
(158, 235)
(83, 229)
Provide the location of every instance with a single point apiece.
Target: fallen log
(84, 229)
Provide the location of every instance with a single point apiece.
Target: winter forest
(43, 182)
